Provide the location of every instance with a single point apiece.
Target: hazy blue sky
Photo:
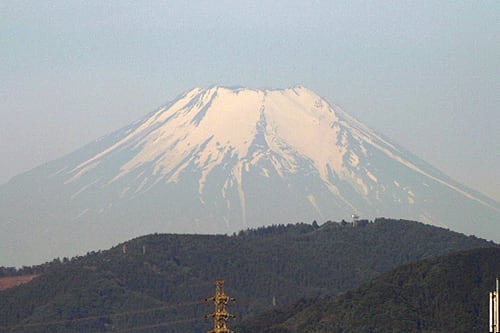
(424, 73)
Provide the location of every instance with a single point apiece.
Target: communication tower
(220, 314)
(495, 309)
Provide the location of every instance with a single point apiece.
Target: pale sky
(426, 74)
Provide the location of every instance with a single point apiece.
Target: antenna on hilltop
(220, 314)
(355, 219)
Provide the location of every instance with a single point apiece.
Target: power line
(167, 323)
(95, 317)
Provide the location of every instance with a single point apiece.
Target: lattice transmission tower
(220, 315)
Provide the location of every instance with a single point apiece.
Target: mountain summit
(222, 159)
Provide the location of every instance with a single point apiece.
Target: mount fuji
(219, 160)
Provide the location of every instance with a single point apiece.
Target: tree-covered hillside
(115, 290)
(447, 294)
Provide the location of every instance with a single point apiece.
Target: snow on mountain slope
(222, 159)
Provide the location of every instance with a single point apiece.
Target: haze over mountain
(221, 159)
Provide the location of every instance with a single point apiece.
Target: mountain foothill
(286, 278)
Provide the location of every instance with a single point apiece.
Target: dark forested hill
(160, 281)
(447, 294)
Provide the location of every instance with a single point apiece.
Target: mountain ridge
(444, 294)
(218, 160)
(262, 268)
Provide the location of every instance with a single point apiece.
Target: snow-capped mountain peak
(204, 127)
(221, 159)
